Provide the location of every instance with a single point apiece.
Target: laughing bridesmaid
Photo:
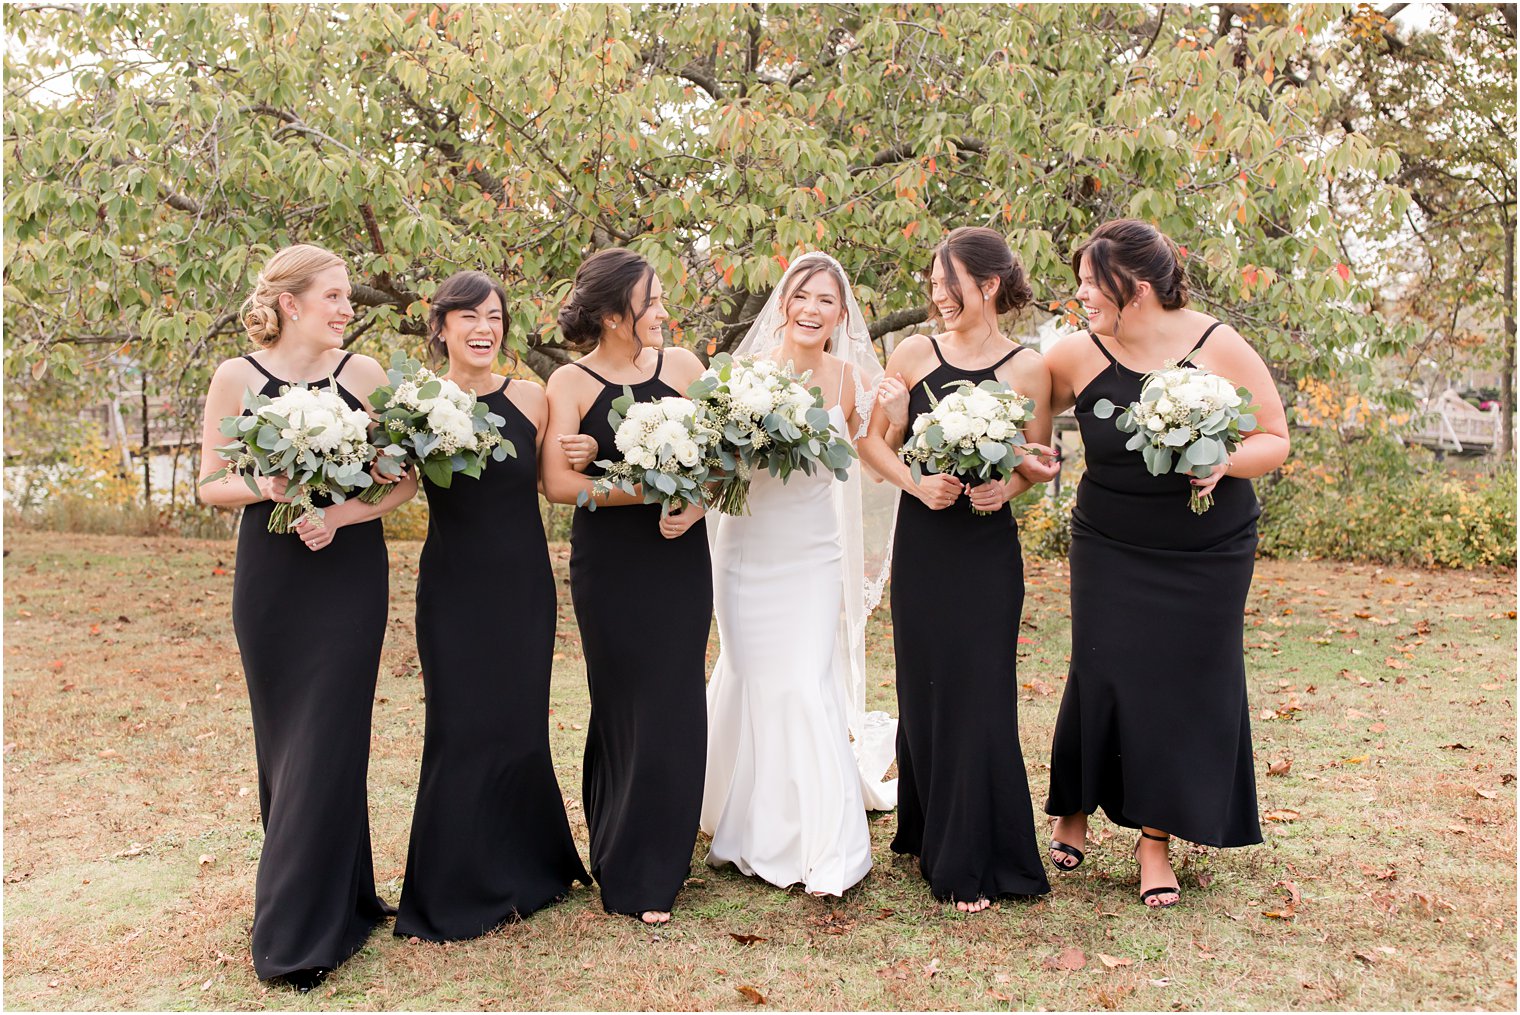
(490, 840)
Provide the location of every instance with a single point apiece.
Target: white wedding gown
(783, 796)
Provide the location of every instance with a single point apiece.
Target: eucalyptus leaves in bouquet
(669, 451)
(1188, 420)
(975, 431)
(308, 435)
(769, 420)
(430, 422)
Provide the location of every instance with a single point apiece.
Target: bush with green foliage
(1379, 501)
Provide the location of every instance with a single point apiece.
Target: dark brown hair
(1121, 253)
(463, 290)
(605, 283)
(985, 254)
(800, 277)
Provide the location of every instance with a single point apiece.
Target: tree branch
(898, 320)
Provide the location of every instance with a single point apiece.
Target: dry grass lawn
(1385, 698)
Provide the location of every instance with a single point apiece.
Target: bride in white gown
(794, 759)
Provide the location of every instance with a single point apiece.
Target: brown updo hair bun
(1121, 253)
(985, 254)
(606, 283)
(291, 270)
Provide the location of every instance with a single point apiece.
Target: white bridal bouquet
(975, 431)
(768, 419)
(308, 435)
(431, 422)
(668, 449)
(1187, 415)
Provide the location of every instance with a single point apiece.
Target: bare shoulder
(527, 394)
(568, 380)
(910, 357)
(681, 354)
(366, 366)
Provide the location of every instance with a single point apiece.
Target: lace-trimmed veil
(865, 508)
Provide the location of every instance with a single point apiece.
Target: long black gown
(309, 627)
(1153, 725)
(963, 804)
(490, 841)
(644, 606)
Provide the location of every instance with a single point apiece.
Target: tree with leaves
(156, 154)
(1443, 96)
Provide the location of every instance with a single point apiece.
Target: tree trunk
(146, 449)
(1506, 444)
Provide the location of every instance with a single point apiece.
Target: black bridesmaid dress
(1153, 725)
(490, 841)
(309, 627)
(644, 606)
(963, 804)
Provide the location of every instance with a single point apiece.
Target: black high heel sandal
(1149, 894)
(1061, 847)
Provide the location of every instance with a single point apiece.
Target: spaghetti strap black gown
(309, 627)
(963, 804)
(490, 841)
(1154, 726)
(644, 606)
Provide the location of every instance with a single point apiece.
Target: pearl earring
(295, 317)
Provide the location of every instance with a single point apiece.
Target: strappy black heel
(1061, 847)
(1153, 893)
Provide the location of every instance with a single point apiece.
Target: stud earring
(295, 317)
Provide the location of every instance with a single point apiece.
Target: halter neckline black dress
(490, 841)
(1154, 726)
(644, 606)
(963, 804)
(309, 627)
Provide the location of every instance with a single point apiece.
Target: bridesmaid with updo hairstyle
(963, 805)
(490, 841)
(646, 742)
(309, 611)
(1154, 726)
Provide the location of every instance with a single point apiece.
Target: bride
(794, 759)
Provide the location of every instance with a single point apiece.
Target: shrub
(1425, 519)
(1045, 522)
(1377, 500)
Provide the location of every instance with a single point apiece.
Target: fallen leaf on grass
(1204, 880)
(1281, 815)
(1294, 896)
(835, 923)
(1486, 794)
(931, 969)
(1070, 960)
(1455, 747)
(998, 995)
(1113, 962)
(746, 939)
(1285, 913)
(1163, 982)
(1280, 767)
(205, 858)
(751, 995)
(1366, 957)
(884, 913)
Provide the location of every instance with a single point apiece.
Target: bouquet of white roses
(975, 431)
(768, 420)
(308, 435)
(1185, 415)
(668, 450)
(433, 423)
